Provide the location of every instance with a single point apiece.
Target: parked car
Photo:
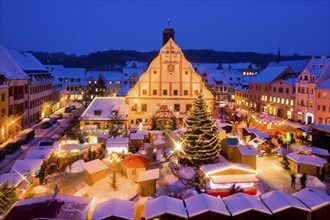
(58, 116)
(26, 135)
(52, 121)
(2, 153)
(13, 145)
(67, 110)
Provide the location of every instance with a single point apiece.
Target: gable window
(97, 112)
(114, 112)
(280, 89)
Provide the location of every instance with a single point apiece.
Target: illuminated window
(282, 101)
(291, 102)
(176, 107)
(278, 100)
(110, 82)
(134, 107)
(287, 101)
(270, 98)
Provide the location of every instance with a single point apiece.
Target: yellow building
(170, 82)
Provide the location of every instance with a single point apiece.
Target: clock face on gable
(170, 68)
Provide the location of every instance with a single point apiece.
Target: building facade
(312, 92)
(169, 81)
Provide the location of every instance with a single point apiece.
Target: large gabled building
(169, 82)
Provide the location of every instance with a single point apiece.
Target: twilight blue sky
(82, 27)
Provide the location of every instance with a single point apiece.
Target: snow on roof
(281, 150)
(94, 166)
(118, 140)
(114, 208)
(316, 151)
(209, 169)
(262, 134)
(291, 81)
(247, 150)
(325, 84)
(104, 136)
(26, 166)
(148, 175)
(269, 74)
(123, 91)
(129, 71)
(277, 201)
(66, 207)
(296, 65)
(318, 66)
(10, 67)
(164, 204)
(240, 202)
(27, 61)
(107, 104)
(252, 130)
(135, 63)
(202, 203)
(313, 198)
(38, 154)
(306, 159)
(136, 136)
(105, 75)
(58, 71)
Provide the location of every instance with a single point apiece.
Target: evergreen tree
(200, 138)
(7, 197)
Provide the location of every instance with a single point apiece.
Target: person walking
(293, 181)
(303, 181)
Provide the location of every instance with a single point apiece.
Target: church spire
(278, 58)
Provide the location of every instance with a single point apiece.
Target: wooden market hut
(203, 206)
(243, 206)
(164, 208)
(147, 182)
(285, 206)
(114, 209)
(95, 170)
(227, 146)
(245, 155)
(220, 177)
(316, 200)
(136, 140)
(299, 162)
(135, 164)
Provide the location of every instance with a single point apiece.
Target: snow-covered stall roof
(136, 136)
(148, 175)
(202, 203)
(26, 166)
(117, 145)
(262, 134)
(281, 150)
(252, 130)
(247, 150)
(256, 142)
(104, 136)
(62, 207)
(322, 127)
(277, 201)
(114, 208)
(27, 61)
(107, 105)
(316, 151)
(38, 154)
(232, 142)
(296, 65)
(226, 168)
(240, 202)
(94, 166)
(306, 159)
(164, 204)
(10, 67)
(313, 198)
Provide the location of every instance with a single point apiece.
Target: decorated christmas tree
(200, 137)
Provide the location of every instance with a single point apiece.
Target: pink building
(309, 84)
(322, 111)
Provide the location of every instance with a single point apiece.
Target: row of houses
(305, 204)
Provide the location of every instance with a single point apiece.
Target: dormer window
(97, 112)
(321, 65)
(114, 112)
(313, 65)
(60, 79)
(305, 77)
